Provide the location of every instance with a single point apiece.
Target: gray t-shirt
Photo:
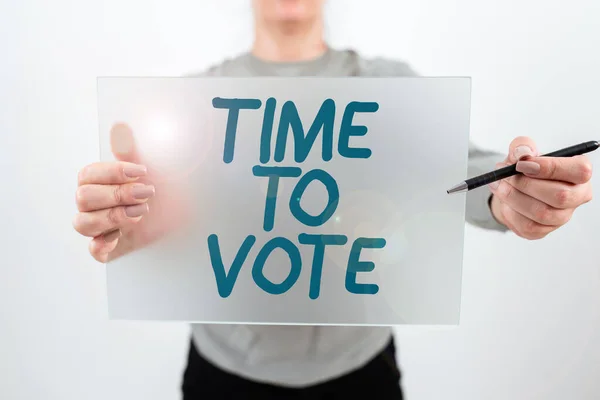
(298, 356)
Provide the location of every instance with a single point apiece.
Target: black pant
(379, 379)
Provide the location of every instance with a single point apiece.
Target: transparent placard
(290, 200)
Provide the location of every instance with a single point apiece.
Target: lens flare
(174, 143)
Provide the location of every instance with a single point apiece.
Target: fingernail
(522, 151)
(141, 192)
(112, 236)
(494, 185)
(134, 171)
(528, 167)
(136, 211)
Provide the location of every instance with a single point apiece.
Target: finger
(98, 197)
(577, 170)
(554, 193)
(530, 207)
(525, 227)
(494, 185)
(110, 173)
(520, 148)
(95, 223)
(122, 143)
(101, 246)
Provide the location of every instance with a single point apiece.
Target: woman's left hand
(547, 193)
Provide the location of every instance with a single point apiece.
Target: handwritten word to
(303, 145)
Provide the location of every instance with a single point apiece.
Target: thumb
(520, 148)
(122, 143)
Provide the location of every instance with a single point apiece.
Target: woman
(275, 362)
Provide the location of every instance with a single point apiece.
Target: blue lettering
(319, 241)
(267, 130)
(355, 265)
(274, 173)
(263, 255)
(332, 202)
(303, 144)
(234, 106)
(226, 281)
(347, 129)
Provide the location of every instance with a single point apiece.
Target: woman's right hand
(117, 202)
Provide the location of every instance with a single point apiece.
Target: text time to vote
(304, 142)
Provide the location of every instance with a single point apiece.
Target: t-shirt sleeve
(207, 72)
(478, 211)
(383, 67)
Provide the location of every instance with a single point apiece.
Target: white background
(531, 317)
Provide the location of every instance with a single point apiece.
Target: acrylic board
(293, 200)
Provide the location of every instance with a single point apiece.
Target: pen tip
(460, 188)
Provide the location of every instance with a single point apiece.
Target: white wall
(531, 317)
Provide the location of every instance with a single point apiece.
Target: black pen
(502, 173)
